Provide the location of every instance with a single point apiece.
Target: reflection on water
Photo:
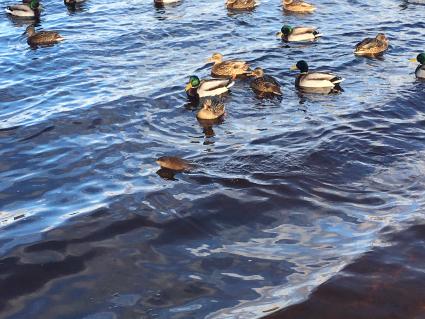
(287, 192)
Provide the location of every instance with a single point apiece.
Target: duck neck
(30, 31)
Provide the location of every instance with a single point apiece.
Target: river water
(286, 192)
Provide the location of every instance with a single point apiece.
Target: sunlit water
(286, 192)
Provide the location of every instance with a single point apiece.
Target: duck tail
(317, 34)
(277, 92)
(8, 10)
(230, 84)
(337, 80)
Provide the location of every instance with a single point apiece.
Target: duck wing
(46, 37)
(366, 44)
(211, 85)
(303, 30)
(319, 79)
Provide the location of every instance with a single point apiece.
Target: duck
(297, 34)
(241, 4)
(29, 9)
(211, 87)
(420, 70)
(42, 37)
(320, 82)
(162, 2)
(212, 109)
(264, 84)
(174, 163)
(230, 68)
(372, 46)
(73, 2)
(298, 6)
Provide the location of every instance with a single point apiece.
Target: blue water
(286, 191)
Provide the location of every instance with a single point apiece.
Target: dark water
(287, 192)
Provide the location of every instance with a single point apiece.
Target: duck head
(258, 73)
(285, 31)
(30, 31)
(301, 65)
(215, 58)
(381, 37)
(420, 58)
(192, 86)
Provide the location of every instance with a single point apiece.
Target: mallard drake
(420, 70)
(319, 82)
(297, 34)
(213, 87)
(230, 68)
(73, 2)
(241, 4)
(298, 6)
(264, 84)
(372, 46)
(174, 163)
(162, 2)
(29, 9)
(42, 37)
(211, 109)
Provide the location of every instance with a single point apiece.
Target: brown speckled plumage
(42, 37)
(372, 46)
(241, 4)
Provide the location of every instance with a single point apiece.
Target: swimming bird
(264, 84)
(174, 163)
(298, 6)
(73, 2)
(372, 46)
(229, 68)
(241, 4)
(212, 87)
(162, 2)
(42, 37)
(316, 82)
(29, 9)
(297, 34)
(211, 109)
(420, 70)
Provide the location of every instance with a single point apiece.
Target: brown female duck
(229, 68)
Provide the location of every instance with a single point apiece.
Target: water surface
(286, 194)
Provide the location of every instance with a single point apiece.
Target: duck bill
(279, 35)
(413, 60)
(210, 60)
(188, 87)
(293, 68)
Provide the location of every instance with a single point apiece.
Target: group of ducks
(224, 72)
(31, 9)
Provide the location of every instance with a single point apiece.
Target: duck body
(174, 163)
(73, 2)
(264, 84)
(212, 109)
(420, 70)
(42, 37)
(298, 34)
(162, 2)
(232, 69)
(372, 46)
(241, 4)
(298, 6)
(28, 9)
(316, 82)
(212, 87)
